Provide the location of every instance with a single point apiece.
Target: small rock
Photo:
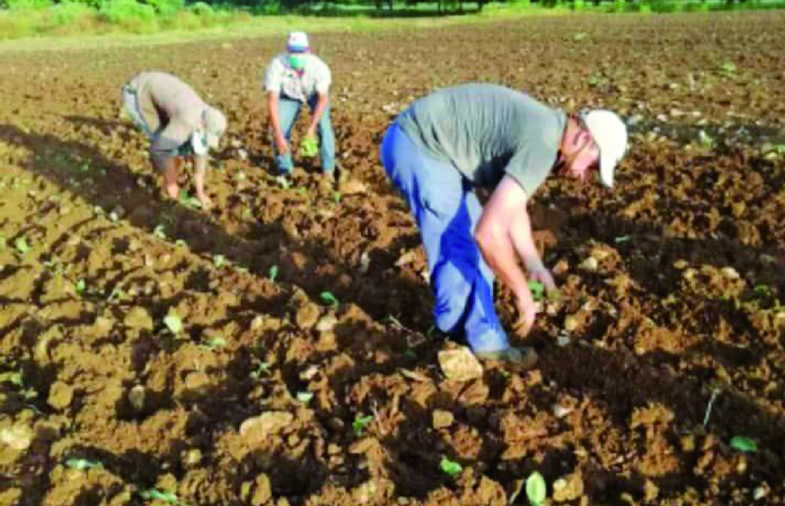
(442, 419)
(17, 437)
(571, 323)
(353, 186)
(760, 492)
(590, 264)
(308, 374)
(460, 364)
(568, 488)
(136, 397)
(562, 340)
(307, 315)
(138, 318)
(560, 411)
(730, 273)
(191, 457)
(365, 492)
(196, 381)
(326, 323)
(259, 428)
(262, 491)
(60, 395)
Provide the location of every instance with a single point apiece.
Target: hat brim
(297, 49)
(607, 170)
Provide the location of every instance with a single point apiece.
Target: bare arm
(494, 234)
(275, 122)
(321, 105)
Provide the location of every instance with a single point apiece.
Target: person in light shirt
(294, 78)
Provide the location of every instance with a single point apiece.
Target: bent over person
(178, 123)
(482, 135)
(294, 78)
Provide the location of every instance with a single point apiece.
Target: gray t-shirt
(486, 131)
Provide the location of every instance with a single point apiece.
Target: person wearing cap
(481, 135)
(178, 123)
(294, 78)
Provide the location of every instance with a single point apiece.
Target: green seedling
(80, 286)
(83, 464)
(743, 444)
(622, 238)
(337, 197)
(159, 231)
(173, 323)
(579, 36)
(273, 272)
(360, 423)
(705, 139)
(247, 213)
(21, 245)
(216, 342)
(728, 68)
(309, 147)
(180, 242)
(305, 396)
(329, 298)
(449, 467)
(155, 494)
(537, 289)
(188, 201)
(536, 490)
(763, 290)
(261, 370)
(219, 261)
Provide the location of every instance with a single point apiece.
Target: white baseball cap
(297, 42)
(610, 134)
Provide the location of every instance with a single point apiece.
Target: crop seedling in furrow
(743, 444)
(537, 289)
(219, 261)
(80, 287)
(173, 323)
(329, 298)
(154, 494)
(450, 467)
(262, 369)
(273, 272)
(536, 490)
(360, 423)
(83, 464)
(304, 396)
(159, 231)
(21, 245)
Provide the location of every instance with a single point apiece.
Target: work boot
(518, 358)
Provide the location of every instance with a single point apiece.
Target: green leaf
(82, 464)
(621, 239)
(216, 342)
(153, 494)
(329, 298)
(537, 289)
(450, 467)
(305, 396)
(360, 423)
(536, 490)
(743, 444)
(174, 323)
(21, 245)
(273, 272)
(80, 286)
(159, 232)
(219, 260)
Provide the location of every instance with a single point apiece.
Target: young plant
(360, 423)
(273, 272)
(449, 467)
(159, 231)
(21, 245)
(80, 287)
(743, 444)
(329, 298)
(337, 197)
(216, 342)
(262, 369)
(219, 261)
(536, 490)
(173, 322)
(82, 464)
(304, 396)
(537, 289)
(153, 494)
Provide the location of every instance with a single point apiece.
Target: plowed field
(667, 343)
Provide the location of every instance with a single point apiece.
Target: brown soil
(672, 284)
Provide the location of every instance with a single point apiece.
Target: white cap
(610, 134)
(297, 42)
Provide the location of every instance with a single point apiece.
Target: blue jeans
(447, 211)
(288, 111)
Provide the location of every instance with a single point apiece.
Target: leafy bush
(166, 7)
(124, 11)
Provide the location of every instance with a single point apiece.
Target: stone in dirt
(307, 315)
(442, 419)
(460, 364)
(60, 395)
(568, 488)
(257, 429)
(138, 318)
(17, 437)
(262, 492)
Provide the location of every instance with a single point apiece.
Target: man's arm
(200, 166)
(275, 122)
(321, 105)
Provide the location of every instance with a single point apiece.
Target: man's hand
(281, 145)
(527, 312)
